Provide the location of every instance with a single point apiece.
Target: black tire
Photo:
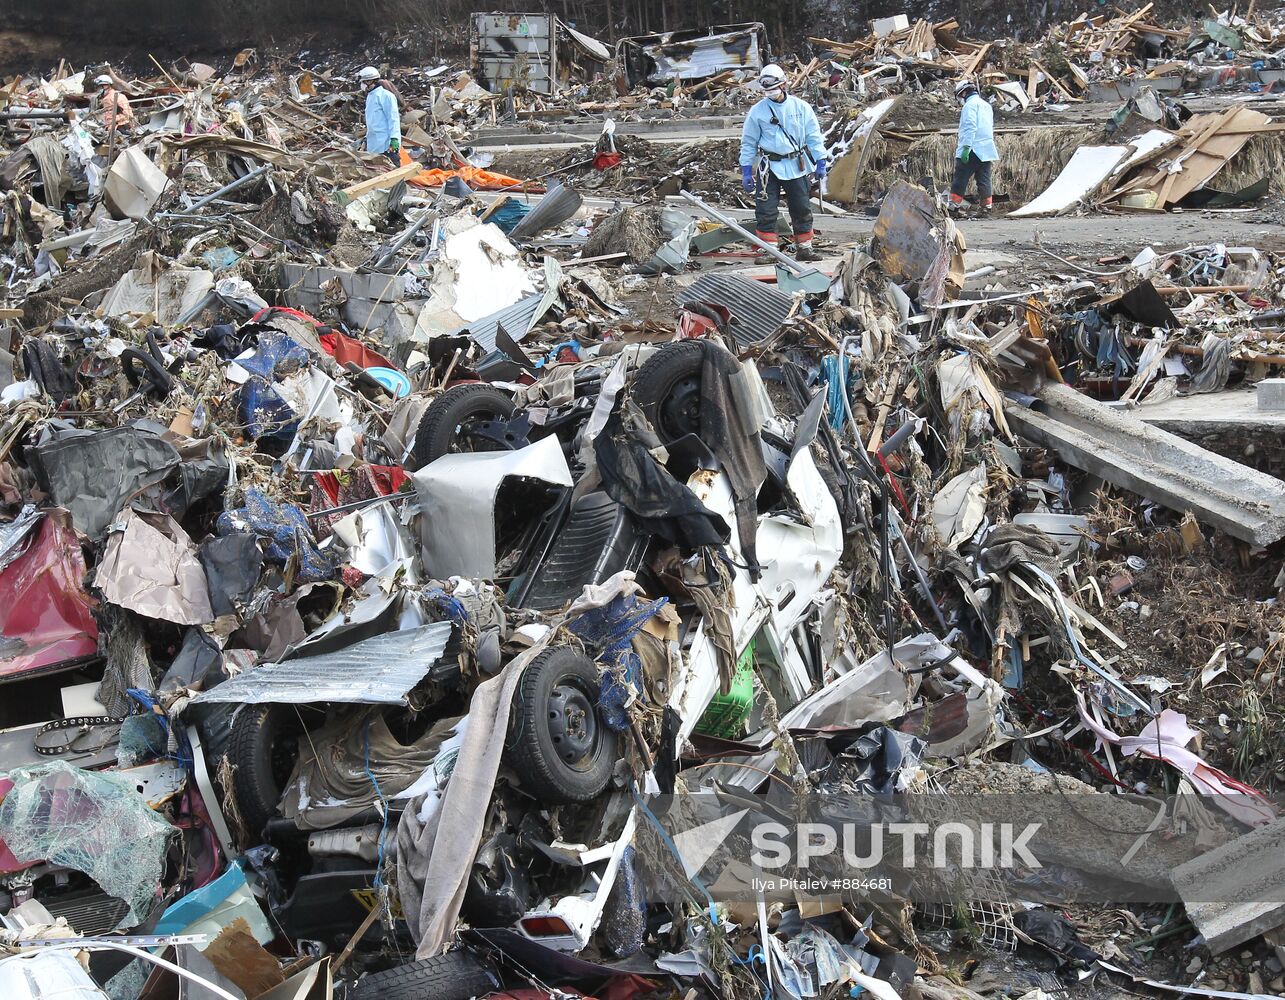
(557, 743)
(262, 748)
(668, 389)
(457, 975)
(443, 429)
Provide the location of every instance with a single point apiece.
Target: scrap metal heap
(388, 571)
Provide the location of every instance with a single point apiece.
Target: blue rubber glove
(821, 170)
(747, 176)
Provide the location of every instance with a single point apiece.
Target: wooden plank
(976, 61)
(384, 180)
(885, 407)
(1056, 83)
(10, 313)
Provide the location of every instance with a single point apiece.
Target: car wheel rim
(680, 413)
(573, 726)
(482, 433)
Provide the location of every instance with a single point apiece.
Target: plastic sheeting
(232, 564)
(16, 534)
(152, 289)
(285, 531)
(46, 975)
(610, 630)
(91, 821)
(45, 616)
(94, 473)
(346, 767)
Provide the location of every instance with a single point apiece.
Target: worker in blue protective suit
(781, 151)
(975, 151)
(383, 117)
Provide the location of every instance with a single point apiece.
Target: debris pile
(1091, 58)
(423, 580)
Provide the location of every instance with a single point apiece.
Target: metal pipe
(238, 183)
(404, 238)
(17, 116)
(732, 224)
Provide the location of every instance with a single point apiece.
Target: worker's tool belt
(778, 157)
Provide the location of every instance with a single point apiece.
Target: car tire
(262, 748)
(457, 975)
(667, 388)
(439, 428)
(558, 744)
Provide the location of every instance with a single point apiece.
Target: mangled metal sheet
(561, 203)
(516, 319)
(758, 309)
(378, 671)
(539, 52)
(514, 49)
(459, 492)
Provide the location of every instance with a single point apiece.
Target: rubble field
(490, 571)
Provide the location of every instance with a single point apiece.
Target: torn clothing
(437, 840)
(730, 424)
(767, 207)
(383, 120)
(965, 171)
(632, 477)
(787, 134)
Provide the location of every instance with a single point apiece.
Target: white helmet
(368, 73)
(103, 81)
(963, 87)
(772, 77)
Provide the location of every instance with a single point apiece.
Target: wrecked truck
(536, 52)
(693, 53)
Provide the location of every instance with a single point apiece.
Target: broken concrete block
(1271, 394)
(1233, 893)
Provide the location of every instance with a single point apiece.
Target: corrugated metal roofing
(517, 320)
(376, 671)
(758, 309)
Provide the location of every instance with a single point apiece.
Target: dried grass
(1028, 160)
(1263, 156)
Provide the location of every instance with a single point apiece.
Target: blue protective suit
(383, 120)
(798, 129)
(977, 130)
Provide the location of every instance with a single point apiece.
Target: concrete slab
(1228, 423)
(1211, 412)
(1153, 463)
(1237, 891)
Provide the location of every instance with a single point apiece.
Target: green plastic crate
(725, 717)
